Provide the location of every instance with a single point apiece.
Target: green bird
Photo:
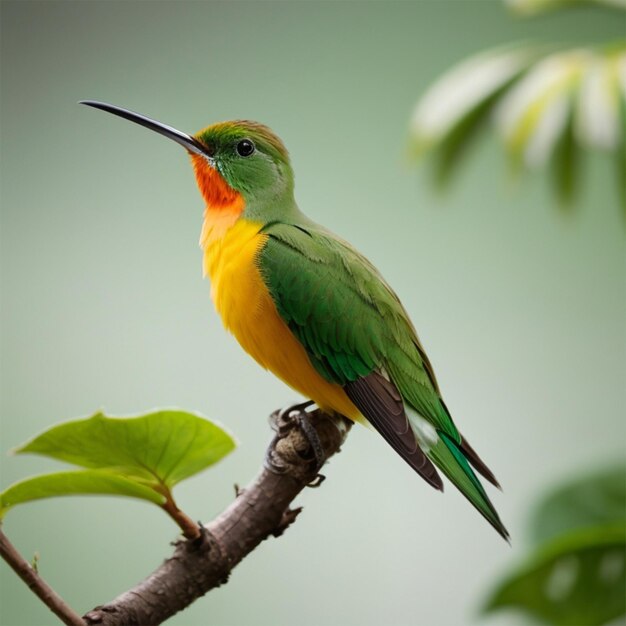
(310, 308)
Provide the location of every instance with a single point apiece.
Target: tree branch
(260, 510)
(37, 584)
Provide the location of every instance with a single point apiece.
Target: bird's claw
(282, 422)
(269, 463)
(308, 430)
(317, 481)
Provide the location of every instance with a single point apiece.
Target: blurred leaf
(535, 7)
(545, 105)
(454, 145)
(74, 483)
(533, 115)
(621, 161)
(595, 500)
(577, 579)
(565, 164)
(577, 575)
(456, 98)
(158, 449)
(598, 123)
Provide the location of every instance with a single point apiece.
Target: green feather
(351, 323)
(345, 315)
(447, 456)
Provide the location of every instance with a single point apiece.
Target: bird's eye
(245, 148)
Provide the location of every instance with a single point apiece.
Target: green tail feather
(450, 460)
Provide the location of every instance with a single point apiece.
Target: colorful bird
(310, 308)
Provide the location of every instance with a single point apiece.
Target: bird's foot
(282, 422)
(301, 418)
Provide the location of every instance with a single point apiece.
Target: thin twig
(37, 584)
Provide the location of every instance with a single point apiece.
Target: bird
(310, 308)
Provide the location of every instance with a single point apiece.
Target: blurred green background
(103, 305)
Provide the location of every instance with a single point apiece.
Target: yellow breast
(248, 311)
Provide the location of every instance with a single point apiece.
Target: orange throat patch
(224, 205)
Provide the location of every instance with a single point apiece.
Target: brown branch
(37, 584)
(259, 510)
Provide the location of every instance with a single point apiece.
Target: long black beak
(186, 141)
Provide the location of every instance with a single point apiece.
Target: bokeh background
(103, 305)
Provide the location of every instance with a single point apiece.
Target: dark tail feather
(477, 463)
(381, 403)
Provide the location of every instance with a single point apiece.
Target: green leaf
(577, 576)
(460, 98)
(141, 457)
(74, 483)
(447, 155)
(548, 104)
(577, 579)
(565, 164)
(158, 449)
(595, 500)
(621, 159)
(457, 106)
(534, 114)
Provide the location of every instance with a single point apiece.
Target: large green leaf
(74, 483)
(576, 579)
(158, 449)
(577, 575)
(595, 500)
(141, 457)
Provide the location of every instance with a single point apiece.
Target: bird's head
(249, 157)
(238, 165)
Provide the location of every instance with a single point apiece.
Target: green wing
(357, 335)
(348, 319)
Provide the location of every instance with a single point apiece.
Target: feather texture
(381, 403)
(357, 335)
(349, 320)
